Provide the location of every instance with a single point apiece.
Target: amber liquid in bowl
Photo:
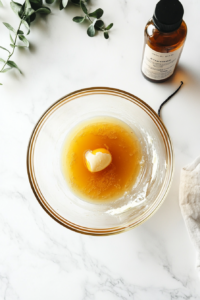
(119, 177)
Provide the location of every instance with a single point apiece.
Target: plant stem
(89, 19)
(15, 40)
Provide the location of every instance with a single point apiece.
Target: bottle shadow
(185, 74)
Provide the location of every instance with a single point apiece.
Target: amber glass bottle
(164, 38)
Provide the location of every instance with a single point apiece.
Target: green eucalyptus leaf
(79, 19)
(61, 6)
(27, 26)
(31, 18)
(21, 12)
(6, 70)
(12, 64)
(16, 7)
(50, 1)
(9, 27)
(43, 11)
(24, 40)
(2, 60)
(1, 5)
(27, 7)
(109, 26)
(106, 35)
(1, 84)
(91, 30)
(83, 7)
(99, 25)
(20, 32)
(76, 2)
(29, 12)
(97, 13)
(5, 49)
(64, 3)
(11, 38)
(17, 46)
(38, 2)
(28, 20)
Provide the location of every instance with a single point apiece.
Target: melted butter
(118, 177)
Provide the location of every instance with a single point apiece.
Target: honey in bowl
(119, 176)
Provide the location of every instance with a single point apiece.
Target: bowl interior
(45, 171)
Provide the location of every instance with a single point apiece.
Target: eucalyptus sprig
(27, 14)
(96, 24)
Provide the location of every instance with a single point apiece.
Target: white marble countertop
(40, 259)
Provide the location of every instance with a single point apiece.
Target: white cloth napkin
(189, 198)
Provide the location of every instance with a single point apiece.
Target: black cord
(169, 98)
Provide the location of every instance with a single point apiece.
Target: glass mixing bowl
(45, 171)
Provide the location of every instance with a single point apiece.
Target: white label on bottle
(157, 65)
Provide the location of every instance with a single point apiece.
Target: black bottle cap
(168, 15)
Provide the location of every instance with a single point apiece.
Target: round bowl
(45, 170)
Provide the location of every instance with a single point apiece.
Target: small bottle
(164, 38)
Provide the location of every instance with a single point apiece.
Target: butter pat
(97, 160)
